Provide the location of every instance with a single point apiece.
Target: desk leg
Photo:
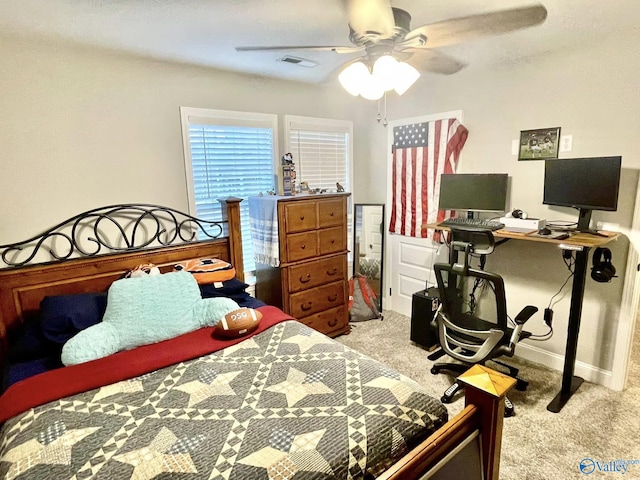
(570, 383)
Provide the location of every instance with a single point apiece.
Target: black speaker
(423, 307)
(603, 270)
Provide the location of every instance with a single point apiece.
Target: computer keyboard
(472, 222)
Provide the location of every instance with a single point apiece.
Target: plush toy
(144, 310)
(142, 270)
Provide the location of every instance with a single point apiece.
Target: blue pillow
(228, 288)
(22, 370)
(28, 343)
(63, 316)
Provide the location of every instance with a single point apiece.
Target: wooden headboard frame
(22, 288)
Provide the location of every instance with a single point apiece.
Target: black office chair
(471, 328)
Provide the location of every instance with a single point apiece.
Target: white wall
(591, 92)
(81, 128)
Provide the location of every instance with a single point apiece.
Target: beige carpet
(596, 423)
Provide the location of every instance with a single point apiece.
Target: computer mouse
(544, 231)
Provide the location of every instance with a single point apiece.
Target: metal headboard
(112, 229)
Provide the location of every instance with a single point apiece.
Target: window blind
(322, 150)
(230, 160)
(321, 157)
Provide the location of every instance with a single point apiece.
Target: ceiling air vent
(301, 62)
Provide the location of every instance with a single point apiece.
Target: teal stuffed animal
(146, 310)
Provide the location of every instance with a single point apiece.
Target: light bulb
(353, 76)
(370, 88)
(386, 70)
(405, 77)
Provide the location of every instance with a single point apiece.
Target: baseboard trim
(588, 372)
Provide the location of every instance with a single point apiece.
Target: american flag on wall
(421, 153)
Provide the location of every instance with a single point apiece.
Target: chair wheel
(445, 399)
(521, 385)
(434, 370)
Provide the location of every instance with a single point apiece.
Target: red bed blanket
(60, 383)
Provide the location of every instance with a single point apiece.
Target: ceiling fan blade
(317, 48)
(429, 60)
(370, 16)
(463, 29)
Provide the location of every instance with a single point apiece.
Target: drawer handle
(333, 322)
(303, 246)
(332, 298)
(306, 307)
(306, 279)
(333, 240)
(332, 272)
(331, 214)
(301, 217)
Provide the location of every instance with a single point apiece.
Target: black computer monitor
(583, 183)
(474, 192)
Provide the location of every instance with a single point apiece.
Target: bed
(283, 402)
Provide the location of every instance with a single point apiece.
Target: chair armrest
(525, 314)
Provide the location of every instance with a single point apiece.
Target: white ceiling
(205, 32)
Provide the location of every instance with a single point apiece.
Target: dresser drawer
(329, 320)
(332, 240)
(318, 299)
(300, 246)
(300, 216)
(318, 272)
(331, 212)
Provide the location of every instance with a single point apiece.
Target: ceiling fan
(383, 35)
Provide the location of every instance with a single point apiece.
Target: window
(321, 150)
(228, 154)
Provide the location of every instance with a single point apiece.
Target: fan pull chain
(384, 122)
(379, 118)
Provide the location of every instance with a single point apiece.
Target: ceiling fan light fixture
(353, 77)
(388, 74)
(406, 75)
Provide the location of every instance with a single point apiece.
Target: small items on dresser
(287, 175)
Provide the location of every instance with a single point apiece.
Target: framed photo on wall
(539, 144)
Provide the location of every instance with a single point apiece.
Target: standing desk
(581, 243)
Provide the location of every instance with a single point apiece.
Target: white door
(409, 260)
(373, 223)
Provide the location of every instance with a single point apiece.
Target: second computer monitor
(474, 192)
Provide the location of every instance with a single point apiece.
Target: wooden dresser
(311, 282)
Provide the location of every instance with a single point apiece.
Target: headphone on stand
(603, 270)
(517, 213)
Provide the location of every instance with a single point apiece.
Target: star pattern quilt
(287, 403)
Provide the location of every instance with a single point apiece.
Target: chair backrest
(459, 293)
(469, 240)
(472, 331)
